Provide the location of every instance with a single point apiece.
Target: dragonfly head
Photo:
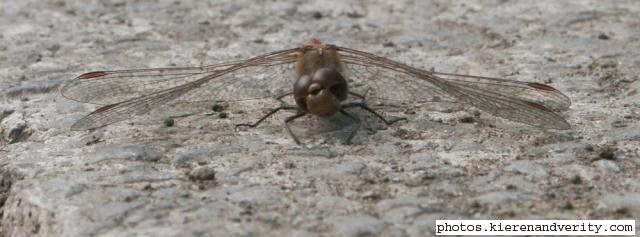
(321, 93)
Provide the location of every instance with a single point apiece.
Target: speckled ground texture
(201, 177)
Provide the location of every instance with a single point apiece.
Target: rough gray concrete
(200, 177)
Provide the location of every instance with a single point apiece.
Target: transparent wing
(530, 103)
(255, 78)
(269, 79)
(527, 91)
(108, 87)
(386, 84)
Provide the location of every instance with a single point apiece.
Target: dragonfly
(320, 77)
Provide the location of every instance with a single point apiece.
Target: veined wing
(107, 87)
(527, 91)
(530, 103)
(222, 82)
(387, 84)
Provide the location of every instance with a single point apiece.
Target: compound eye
(300, 88)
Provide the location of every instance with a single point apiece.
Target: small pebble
(603, 36)
(290, 165)
(217, 108)
(588, 147)
(568, 206)
(622, 211)
(169, 122)
(467, 120)
(608, 154)
(202, 173)
(576, 179)
(317, 15)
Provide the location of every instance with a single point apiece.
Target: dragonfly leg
(362, 97)
(279, 98)
(266, 116)
(355, 130)
(365, 107)
(290, 119)
(357, 95)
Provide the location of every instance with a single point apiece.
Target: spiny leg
(290, 119)
(267, 116)
(355, 130)
(279, 98)
(365, 107)
(362, 97)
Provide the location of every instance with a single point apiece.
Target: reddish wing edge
(103, 108)
(90, 75)
(538, 106)
(541, 86)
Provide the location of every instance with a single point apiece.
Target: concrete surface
(200, 177)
